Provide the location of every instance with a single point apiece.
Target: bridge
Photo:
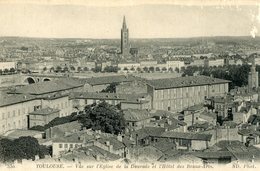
(35, 78)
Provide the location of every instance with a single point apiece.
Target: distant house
(182, 140)
(176, 94)
(136, 119)
(63, 129)
(43, 116)
(188, 141)
(97, 84)
(87, 138)
(126, 101)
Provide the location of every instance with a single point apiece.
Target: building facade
(124, 39)
(176, 94)
(253, 77)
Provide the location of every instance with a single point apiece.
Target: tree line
(237, 74)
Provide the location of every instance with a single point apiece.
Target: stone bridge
(35, 78)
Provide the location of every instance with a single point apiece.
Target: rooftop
(136, 115)
(48, 87)
(11, 99)
(189, 136)
(184, 82)
(125, 98)
(109, 79)
(44, 111)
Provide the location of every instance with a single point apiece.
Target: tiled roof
(213, 154)
(10, 99)
(184, 82)
(136, 115)
(189, 136)
(125, 98)
(148, 131)
(109, 79)
(44, 111)
(113, 141)
(48, 87)
(195, 107)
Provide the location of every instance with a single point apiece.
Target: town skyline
(87, 22)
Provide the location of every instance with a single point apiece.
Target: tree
(52, 69)
(12, 70)
(6, 70)
(58, 69)
(110, 89)
(21, 148)
(29, 146)
(145, 69)
(1, 71)
(139, 69)
(104, 117)
(151, 69)
(44, 69)
(177, 69)
(164, 69)
(85, 69)
(72, 68)
(79, 69)
(125, 68)
(111, 69)
(97, 69)
(65, 69)
(170, 69)
(157, 69)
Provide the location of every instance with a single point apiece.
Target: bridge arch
(46, 79)
(30, 80)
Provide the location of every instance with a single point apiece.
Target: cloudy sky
(61, 20)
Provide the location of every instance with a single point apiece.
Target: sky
(78, 20)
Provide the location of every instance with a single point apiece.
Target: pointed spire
(124, 23)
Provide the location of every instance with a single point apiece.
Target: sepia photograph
(128, 84)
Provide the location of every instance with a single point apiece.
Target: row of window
(14, 125)
(69, 145)
(177, 104)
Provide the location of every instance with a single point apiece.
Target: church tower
(253, 77)
(124, 39)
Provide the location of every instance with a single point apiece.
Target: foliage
(111, 69)
(110, 89)
(97, 69)
(238, 74)
(104, 117)
(56, 121)
(21, 148)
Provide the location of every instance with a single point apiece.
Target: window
(71, 145)
(19, 112)
(60, 145)
(3, 115)
(66, 146)
(14, 113)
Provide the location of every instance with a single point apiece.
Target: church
(126, 49)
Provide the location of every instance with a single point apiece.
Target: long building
(17, 104)
(176, 94)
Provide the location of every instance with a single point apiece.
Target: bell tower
(124, 38)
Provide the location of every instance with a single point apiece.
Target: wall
(15, 116)
(62, 103)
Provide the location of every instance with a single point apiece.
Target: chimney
(120, 138)
(97, 157)
(107, 143)
(169, 121)
(87, 153)
(110, 148)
